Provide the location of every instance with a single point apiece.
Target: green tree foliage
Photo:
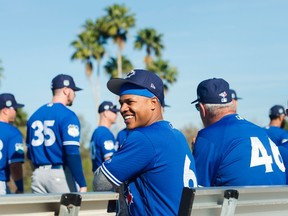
(111, 66)
(166, 72)
(117, 23)
(152, 41)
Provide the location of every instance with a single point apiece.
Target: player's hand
(83, 189)
(19, 192)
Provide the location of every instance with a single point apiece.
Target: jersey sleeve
(16, 147)
(107, 144)
(70, 127)
(135, 156)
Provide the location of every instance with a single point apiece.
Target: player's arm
(16, 171)
(101, 182)
(74, 162)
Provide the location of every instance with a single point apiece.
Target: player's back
(277, 134)
(47, 130)
(240, 154)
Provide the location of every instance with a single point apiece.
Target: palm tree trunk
(119, 62)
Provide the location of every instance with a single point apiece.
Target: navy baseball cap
(63, 80)
(8, 100)
(277, 110)
(234, 95)
(213, 91)
(141, 78)
(107, 105)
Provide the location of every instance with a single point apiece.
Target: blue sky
(243, 41)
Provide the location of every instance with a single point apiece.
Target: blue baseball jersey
(11, 149)
(121, 137)
(277, 134)
(236, 152)
(283, 148)
(50, 128)
(102, 145)
(155, 163)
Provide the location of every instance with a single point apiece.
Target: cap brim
(115, 110)
(115, 84)
(194, 101)
(76, 89)
(17, 106)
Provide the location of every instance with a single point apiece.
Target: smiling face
(138, 111)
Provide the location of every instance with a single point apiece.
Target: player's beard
(70, 103)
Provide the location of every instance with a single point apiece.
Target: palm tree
(116, 24)
(166, 72)
(90, 46)
(111, 66)
(149, 38)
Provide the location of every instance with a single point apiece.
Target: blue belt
(49, 166)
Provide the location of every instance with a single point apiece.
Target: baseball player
(277, 133)
(231, 151)
(275, 129)
(53, 136)
(11, 145)
(103, 143)
(154, 162)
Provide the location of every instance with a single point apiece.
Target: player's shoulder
(9, 129)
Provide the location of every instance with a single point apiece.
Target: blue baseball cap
(8, 100)
(234, 95)
(213, 91)
(63, 80)
(141, 78)
(277, 110)
(107, 105)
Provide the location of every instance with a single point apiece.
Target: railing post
(229, 202)
(70, 204)
(186, 203)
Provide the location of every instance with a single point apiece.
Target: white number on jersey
(188, 173)
(260, 157)
(43, 133)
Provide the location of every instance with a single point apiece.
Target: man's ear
(66, 91)
(154, 103)
(202, 109)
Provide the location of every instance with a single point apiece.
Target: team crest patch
(109, 144)
(73, 130)
(19, 148)
(223, 96)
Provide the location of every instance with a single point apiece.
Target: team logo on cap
(66, 83)
(8, 103)
(131, 73)
(73, 130)
(223, 95)
(152, 86)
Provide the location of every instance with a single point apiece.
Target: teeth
(128, 117)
